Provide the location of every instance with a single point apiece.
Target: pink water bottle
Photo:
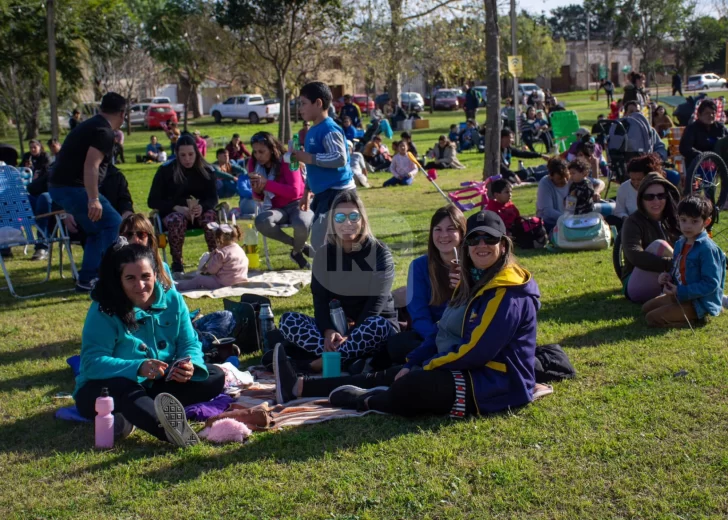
(104, 420)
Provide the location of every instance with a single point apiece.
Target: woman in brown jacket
(648, 236)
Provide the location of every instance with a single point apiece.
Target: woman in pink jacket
(280, 189)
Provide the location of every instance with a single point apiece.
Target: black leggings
(421, 392)
(135, 403)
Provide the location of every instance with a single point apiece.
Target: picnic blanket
(281, 284)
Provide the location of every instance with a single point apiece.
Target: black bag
(247, 325)
(552, 364)
(529, 233)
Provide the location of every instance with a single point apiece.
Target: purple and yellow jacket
(498, 347)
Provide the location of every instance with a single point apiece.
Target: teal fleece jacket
(109, 349)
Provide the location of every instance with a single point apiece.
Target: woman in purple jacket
(480, 361)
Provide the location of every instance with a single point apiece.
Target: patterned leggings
(364, 340)
(177, 224)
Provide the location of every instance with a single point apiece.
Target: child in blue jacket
(694, 288)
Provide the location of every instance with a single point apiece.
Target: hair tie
(213, 226)
(225, 228)
(120, 242)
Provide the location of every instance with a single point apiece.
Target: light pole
(51, 19)
(514, 52)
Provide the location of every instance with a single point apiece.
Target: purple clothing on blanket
(203, 411)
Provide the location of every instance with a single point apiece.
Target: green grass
(626, 439)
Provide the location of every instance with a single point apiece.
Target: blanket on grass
(281, 284)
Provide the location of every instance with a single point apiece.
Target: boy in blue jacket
(326, 156)
(694, 288)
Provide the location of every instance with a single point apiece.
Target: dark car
(446, 99)
(410, 101)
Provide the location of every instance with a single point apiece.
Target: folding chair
(18, 221)
(564, 124)
(161, 233)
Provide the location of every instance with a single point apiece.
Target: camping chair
(564, 125)
(17, 222)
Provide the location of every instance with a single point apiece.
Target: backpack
(247, 325)
(529, 233)
(581, 232)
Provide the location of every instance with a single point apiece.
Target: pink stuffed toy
(226, 430)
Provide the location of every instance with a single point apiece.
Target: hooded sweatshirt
(639, 231)
(498, 342)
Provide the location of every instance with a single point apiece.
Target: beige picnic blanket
(256, 406)
(280, 284)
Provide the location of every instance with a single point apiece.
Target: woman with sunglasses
(280, 189)
(648, 237)
(480, 361)
(356, 270)
(139, 345)
(177, 182)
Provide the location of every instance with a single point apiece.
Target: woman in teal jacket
(134, 332)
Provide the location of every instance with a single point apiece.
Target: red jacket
(288, 187)
(508, 212)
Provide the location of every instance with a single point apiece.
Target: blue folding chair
(17, 223)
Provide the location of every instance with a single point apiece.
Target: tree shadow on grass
(45, 351)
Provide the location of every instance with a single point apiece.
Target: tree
(492, 122)
(701, 41)
(569, 22)
(183, 35)
(284, 33)
(542, 55)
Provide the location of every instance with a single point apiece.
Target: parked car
(446, 99)
(178, 108)
(482, 94)
(366, 104)
(525, 90)
(410, 101)
(158, 114)
(246, 106)
(705, 81)
(138, 113)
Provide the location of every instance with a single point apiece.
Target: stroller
(8, 155)
(629, 137)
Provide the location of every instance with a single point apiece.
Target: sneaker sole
(171, 415)
(276, 371)
(357, 388)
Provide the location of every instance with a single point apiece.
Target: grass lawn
(629, 438)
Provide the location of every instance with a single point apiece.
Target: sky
(536, 6)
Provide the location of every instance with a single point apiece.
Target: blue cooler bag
(587, 232)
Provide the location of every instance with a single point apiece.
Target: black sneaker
(350, 396)
(122, 427)
(6, 253)
(300, 260)
(285, 375)
(40, 254)
(309, 252)
(171, 416)
(178, 270)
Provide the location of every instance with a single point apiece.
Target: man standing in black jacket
(677, 83)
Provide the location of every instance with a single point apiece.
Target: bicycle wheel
(618, 256)
(708, 176)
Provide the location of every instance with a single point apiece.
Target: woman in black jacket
(185, 194)
(702, 134)
(357, 270)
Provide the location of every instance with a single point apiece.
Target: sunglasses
(652, 196)
(489, 240)
(141, 235)
(340, 218)
(258, 138)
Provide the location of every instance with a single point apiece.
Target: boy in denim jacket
(694, 288)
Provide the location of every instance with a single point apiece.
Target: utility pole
(588, 72)
(51, 18)
(514, 52)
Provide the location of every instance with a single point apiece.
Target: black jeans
(401, 344)
(421, 392)
(135, 403)
(615, 221)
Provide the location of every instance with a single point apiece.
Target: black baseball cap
(486, 222)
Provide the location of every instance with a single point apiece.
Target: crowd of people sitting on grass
(464, 344)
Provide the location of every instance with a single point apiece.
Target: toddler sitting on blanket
(226, 266)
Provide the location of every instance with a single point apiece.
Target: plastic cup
(332, 364)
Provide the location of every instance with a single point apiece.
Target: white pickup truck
(179, 108)
(246, 106)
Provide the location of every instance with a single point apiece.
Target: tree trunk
(492, 63)
(19, 128)
(284, 116)
(394, 81)
(196, 113)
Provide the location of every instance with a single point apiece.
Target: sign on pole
(602, 72)
(515, 65)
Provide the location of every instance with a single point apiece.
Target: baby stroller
(8, 155)
(628, 138)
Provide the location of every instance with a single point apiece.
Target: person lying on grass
(480, 361)
(135, 331)
(693, 289)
